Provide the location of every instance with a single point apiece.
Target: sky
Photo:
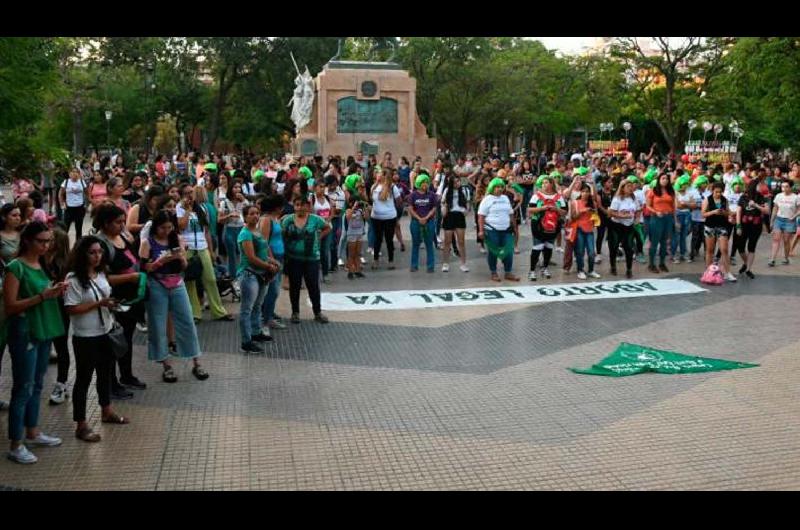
(566, 45)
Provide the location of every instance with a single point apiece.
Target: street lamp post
(108, 130)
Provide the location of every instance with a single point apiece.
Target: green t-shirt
(44, 320)
(211, 208)
(259, 246)
(302, 244)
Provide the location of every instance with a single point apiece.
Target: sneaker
(690, 260)
(730, 277)
(516, 250)
(42, 440)
(21, 455)
(560, 250)
(786, 261)
(594, 275)
(641, 259)
(598, 259)
(363, 261)
(340, 263)
(675, 260)
(483, 250)
(750, 275)
(261, 337)
(771, 263)
(325, 279)
(546, 273)
(295, 318)
(733, 260)
(59, 394)
(142, 328)
(250, 347)
(275, 324)
(743, 268)
(463, 268)
(532, 276)
(581, 275)
(322, 319)
(445, 267)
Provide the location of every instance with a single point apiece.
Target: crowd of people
(171, 238)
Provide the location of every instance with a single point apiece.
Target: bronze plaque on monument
(366, 116)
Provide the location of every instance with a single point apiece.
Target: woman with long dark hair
(752, 206)
(454, 209)
(717, 228)
(384, 215)
(582, 211)
(164, 258)
(57, 261)
(33, 320)
(88, 301)
(623, 213)
(661, 203)
(123, 276)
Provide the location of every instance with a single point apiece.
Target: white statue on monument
(303, 99)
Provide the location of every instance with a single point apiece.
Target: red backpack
(549, 220)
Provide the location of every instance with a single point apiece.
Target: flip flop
(87, 435)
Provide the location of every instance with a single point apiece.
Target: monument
(366, 106)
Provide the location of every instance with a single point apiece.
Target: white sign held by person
(504, 294)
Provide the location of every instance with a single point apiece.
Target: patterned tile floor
(463, 398)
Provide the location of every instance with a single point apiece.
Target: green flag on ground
(632, 359)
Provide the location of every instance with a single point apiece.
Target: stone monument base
(368, 107)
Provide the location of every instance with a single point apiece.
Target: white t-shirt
(733, 201)
(694, 195)
(787, 205)
(686, 197)
(74, 191)
(194, 235)
(88, 324)
(497, 211)
(639, 196)
(454, 207)
(627, 205)
(321, 208)
(337, 198)
(384, 210)
(727, 178)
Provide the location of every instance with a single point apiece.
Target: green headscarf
(306, 172)
(541, 179)
(682, 182)
(651, 174)
(350, 182)
(633, 179)
(211, 166)
(739, 181)
(582, 170)
(493, 184)
(700, 181)
(422, 178)
(257, 176)
(717, 177)
(556, 176)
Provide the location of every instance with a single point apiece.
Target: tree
(659, 75)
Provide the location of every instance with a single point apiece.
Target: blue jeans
(660, 230)
(175, 302)
(498, 239)
(584, 243)
(527, 193)
(231, 235)
(685, 220)
(29, 360)
(370, 233)
(418, 235)
(253, 294)
(335, 236)
(342, 241)
(271, 298)
(325, 254)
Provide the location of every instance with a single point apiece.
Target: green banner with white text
(632, 359)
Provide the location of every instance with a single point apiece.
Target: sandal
(169, 375)
(200, 373)
(226, 318)
(116, 419)
(87, 435)
(495, 278)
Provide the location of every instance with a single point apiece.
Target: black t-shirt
(527, 179)
(605, 200)
(751, 215)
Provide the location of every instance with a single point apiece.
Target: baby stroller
(226, 285)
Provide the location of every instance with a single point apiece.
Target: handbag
(194, 269)
(119, 344)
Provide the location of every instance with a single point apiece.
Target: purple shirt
(423, 203)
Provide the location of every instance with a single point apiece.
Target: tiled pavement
(469, 398)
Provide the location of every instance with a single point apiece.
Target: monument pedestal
(369, 107)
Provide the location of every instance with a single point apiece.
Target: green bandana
(210, 167)
(306, 172)
(493, 184)
(422, 178)
(350, 182)
(582, 171)
(257, 176)
(700, 181)
(737, 180)
(682, 182)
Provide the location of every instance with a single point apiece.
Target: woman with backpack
(717, 228)
(546, 210)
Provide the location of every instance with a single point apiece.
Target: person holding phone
(582, 210)
(33, 320)
(89, 303)
(717, 228)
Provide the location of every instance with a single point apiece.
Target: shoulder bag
(119, 345)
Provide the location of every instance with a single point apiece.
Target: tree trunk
(77, 131)
(668, 128)
(216, 116)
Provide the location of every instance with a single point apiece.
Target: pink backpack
(712, 276)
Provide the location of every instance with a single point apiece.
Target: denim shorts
(783, 224)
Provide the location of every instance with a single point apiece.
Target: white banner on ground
(505, 293)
